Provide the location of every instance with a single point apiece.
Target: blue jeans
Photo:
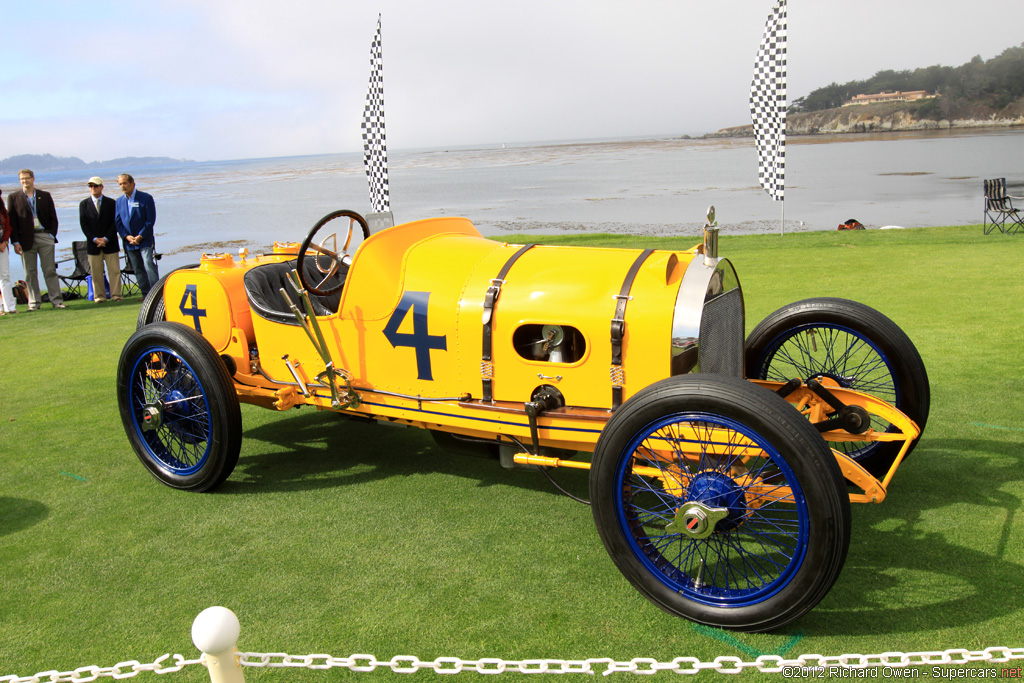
(144, 265)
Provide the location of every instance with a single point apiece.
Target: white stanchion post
(215, 632)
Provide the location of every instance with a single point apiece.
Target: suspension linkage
(853, 419)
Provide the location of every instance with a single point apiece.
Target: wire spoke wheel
(720, 503)
(718, 473)
(836, 356)
(179, 407)
(171, 410)
(844, 344)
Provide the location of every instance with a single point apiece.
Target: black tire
(179, 407)
(782, 543)
(858, 348)
(152, 308)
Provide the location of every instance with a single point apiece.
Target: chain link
(84, 674)
(644, 666)
(639, 665)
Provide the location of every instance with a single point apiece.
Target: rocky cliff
(892, 116)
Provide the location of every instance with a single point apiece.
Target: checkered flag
(375, 148)
(768, 104)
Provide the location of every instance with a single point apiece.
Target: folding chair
(129, 284)
(129, 287)
(999, 209)
(76, 279)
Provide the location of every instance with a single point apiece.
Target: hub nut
(151, 418)
(697, 520)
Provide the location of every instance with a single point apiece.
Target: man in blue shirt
(135, 217)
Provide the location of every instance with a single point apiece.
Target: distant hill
(48, 162)
(994, 84)
(887, 117)
(976, 94)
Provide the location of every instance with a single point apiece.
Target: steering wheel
(327, 258)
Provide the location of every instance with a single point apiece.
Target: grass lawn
(338, 537)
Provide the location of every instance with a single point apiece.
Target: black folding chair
(75, 281)
(129, 284)
(999, 210)
(129, 287)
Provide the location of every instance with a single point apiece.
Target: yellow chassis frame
(511, 421)
(817, 410)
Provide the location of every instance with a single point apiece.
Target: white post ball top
(215, 630)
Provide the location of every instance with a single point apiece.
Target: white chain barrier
(804, 666)
(84, 674)
(216, 629)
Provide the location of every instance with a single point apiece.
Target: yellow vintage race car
(721, 469)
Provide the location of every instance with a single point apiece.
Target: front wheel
(847, 344)
(179, 407)
(720, 503)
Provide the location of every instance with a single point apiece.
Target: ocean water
(657, 186)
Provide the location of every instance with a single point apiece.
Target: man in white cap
(96, 216)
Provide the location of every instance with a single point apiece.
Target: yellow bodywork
(441, 268)
(407, 336)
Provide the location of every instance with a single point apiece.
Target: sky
(239, 79)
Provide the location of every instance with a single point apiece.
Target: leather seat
(262, 285)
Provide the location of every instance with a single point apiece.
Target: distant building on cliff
(897, 96)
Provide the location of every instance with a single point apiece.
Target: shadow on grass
(20, 513)
(940, 559)
(907, 570)
(316, 450)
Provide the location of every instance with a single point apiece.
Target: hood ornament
(710, 238)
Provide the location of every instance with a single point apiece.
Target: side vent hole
(549, 343)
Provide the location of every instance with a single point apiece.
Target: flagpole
(768, 107)
(375, 147)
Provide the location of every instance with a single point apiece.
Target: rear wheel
(179, 407)
(720, 503)
(850, 345)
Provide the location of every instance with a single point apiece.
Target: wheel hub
(698, 520)
(177, 410)
(172, 411)
(152, 417)
(716, 503)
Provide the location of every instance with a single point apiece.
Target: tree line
(996, 83)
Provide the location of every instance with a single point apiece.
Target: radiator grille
(721, 335)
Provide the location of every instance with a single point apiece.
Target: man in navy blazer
(135, 217)
(96, 216)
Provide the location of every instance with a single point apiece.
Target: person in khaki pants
(33, 236)
(96, 216)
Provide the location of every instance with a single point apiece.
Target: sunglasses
(94, 185)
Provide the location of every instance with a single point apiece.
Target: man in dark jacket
(96, 216)
(135, 217)
(34, 236)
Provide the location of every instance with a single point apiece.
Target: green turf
(340, 537)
